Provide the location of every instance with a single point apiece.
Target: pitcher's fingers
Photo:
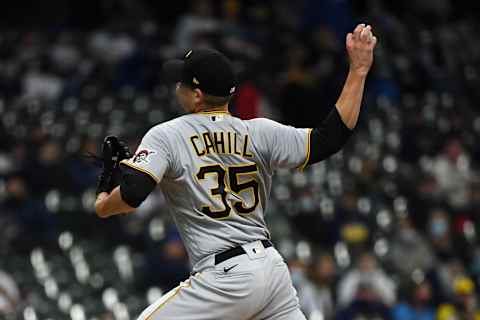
(349, 38)
(370, 37)
(368, 30)
(357, 31)
(366, 35)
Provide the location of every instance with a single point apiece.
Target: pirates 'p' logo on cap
(194, 80)
(188, 54)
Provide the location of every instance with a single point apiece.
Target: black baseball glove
(113, 151)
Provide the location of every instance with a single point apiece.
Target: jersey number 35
(234, 186)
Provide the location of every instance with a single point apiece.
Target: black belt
(230, 253)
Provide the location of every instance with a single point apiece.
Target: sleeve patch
(143, 156)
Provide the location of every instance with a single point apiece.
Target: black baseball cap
(206, 69)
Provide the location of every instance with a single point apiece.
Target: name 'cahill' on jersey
(215, 171)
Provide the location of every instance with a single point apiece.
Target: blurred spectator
(192, 25)
(298, 89)
(418, 305)
(475, 264)
(334, 14)
(315, 291)
(446, 275)
(298, 272)
(247, 102)
(453, 172)
(366, 280)
(408, 242)
(47, 170)
(81, 169)
(464, 305)
(235, 37)
(9, 294)
(40, 84)
(168, 266)
(366, 304)
(31, 212)
(110, 47)
(439, 231)
(64, 54)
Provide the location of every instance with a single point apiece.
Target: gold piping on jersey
(125, 162)
(302, 167)
(177, 291)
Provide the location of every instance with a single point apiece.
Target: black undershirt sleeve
(328, 138)
(135, 186)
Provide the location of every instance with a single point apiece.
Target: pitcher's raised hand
(360, 45)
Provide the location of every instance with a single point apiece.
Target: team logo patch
(142, 156)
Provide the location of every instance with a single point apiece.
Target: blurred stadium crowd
(386, 229)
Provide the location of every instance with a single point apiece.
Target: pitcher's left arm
(139, 175)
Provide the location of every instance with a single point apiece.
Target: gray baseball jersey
(215, 171)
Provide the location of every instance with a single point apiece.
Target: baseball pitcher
(215, 171)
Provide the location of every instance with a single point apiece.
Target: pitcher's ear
(198, 94)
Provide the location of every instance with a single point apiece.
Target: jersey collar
(212, 112)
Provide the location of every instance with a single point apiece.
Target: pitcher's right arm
(335, 130)
(288, 147)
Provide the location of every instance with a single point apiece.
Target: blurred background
(386, 229)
